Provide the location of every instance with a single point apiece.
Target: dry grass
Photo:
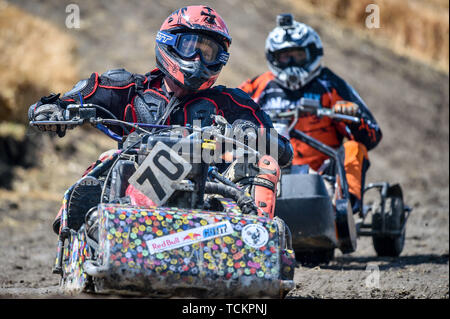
(413, 28)
(35, 59)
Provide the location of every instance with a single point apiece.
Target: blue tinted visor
(189, 45)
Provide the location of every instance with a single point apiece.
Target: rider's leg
(259, 179)
(81, 188)
(85, 194)
(356, 163)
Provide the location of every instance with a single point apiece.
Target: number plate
(160, 169)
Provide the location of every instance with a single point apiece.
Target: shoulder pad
(118, 78)
(241, 98)
(77, 88)
(117, 75)
(83, 87)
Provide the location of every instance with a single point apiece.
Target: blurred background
(400, 69)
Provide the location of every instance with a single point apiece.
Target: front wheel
(390, 245)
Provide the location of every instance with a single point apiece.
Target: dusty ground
(410, 101)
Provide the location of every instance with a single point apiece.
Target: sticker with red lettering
(189, 237)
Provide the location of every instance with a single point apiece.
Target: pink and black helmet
(192, 47)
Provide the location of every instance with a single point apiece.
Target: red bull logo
(191, 236)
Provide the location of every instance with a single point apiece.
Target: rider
(294, 52)
(191, 49)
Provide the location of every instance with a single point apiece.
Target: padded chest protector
(149, 106)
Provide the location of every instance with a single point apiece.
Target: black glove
(47, 110)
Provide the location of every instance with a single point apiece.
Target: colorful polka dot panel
(230, 206)
(75, 254)
(181, 244)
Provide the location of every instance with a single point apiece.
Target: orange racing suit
(328, 88)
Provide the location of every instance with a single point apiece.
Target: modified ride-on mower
(316, 205)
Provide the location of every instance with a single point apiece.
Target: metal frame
(385, 190)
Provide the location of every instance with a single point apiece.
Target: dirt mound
(36, 58)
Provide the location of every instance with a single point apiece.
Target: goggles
(189, 45)
(291, 57)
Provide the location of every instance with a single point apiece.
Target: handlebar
(70, 122)
(77, 115)
(314, 107)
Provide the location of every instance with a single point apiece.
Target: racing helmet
(294, 52)
(192, 47)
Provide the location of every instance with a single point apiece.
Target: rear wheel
(390, 245)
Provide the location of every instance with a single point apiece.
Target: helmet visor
(291, 57)
(189, 45)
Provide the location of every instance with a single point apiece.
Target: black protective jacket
(144, 99)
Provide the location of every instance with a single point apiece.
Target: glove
(48, 112)
(346, 108)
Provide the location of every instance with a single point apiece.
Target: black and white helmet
(294, 52)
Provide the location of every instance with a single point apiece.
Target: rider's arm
(367, 132)
(112, 90)
(239, 106)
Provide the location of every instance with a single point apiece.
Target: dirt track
(409, 100)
